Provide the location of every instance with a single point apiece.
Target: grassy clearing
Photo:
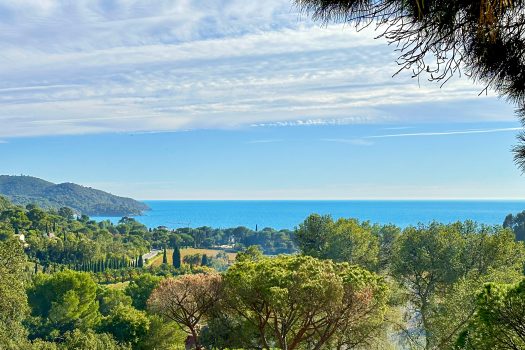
(157, 261)
(119, 285)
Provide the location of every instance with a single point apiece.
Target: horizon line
(333, 199)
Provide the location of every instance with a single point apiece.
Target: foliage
(126, 324)
(343, 240)
(517, 224)
(63, 302)
(193, 259)
(164, 257)
(252, 253)
(224, 331)
(162, 336)
(499, 319)
(187, 300)
(455, 308)
(293, 301)
(140, 289)
(25, 190)
(270, 240)
(89, 340)
(176, 257)
(432, 262)
(13, 300)
(435, 273)
(109, 298)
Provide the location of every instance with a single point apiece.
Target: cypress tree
(141, 261)
(164, 257)
(204, 260)
(176, 257)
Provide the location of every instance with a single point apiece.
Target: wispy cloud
(368, 140)
(446, 133)
(96, 67)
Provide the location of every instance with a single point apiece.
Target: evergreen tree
(176, 257)
(141, 261)
(164, 257)
(204, 261)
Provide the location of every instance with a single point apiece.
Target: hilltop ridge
(25, 190)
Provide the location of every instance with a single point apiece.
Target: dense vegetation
(79, 284)
(26, 190)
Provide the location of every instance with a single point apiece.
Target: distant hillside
(25, 190)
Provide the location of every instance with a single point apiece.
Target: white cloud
(92, 67)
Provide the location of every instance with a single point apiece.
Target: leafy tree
(387, 235)
(4, 203)
(253, 253)
(517, 224)
(126, 324)
(162, 336)
(345, 240)
(300, 301)
(13, 300)
(499, 319)
(192, 259)
(224, 331)
(110, 298)
(17, 218)
(456, 307)
(66, 213)
(89, 340)
(64, 301)
(484, 37)
(187, 300)
(140, 288)
(312, 235)
(438, 262)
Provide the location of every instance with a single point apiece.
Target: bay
(287, 214)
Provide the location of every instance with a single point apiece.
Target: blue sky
(236, 99)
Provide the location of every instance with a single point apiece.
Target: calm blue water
(288, 214)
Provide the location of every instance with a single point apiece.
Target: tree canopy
(64, 301)
(13, 299)
(500, 316)
(292, 301)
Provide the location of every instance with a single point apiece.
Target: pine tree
(176, 257)
(164, 257)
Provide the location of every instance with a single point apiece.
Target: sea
(288, 214)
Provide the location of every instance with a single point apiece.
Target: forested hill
(25, 190)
